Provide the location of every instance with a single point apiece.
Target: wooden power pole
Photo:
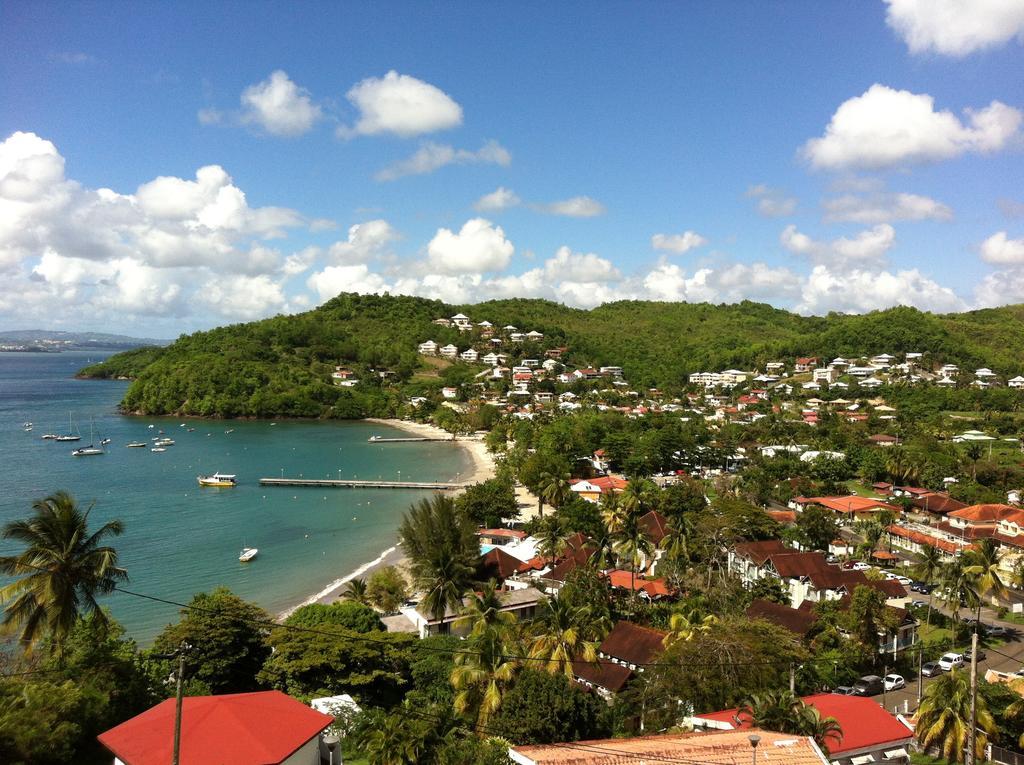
(972, 732)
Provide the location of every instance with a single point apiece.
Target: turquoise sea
(181, 539)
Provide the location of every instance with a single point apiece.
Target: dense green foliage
(544, 708)
(281, 366)
(347, 615)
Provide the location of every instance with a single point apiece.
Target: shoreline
(483, 468)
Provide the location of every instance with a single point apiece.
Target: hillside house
(806, 363)
(592, 489)
(521, 602)
(826, 375)
(852, 506)
(462, 322)
(470, 355)
(1016, 382)
(262, 728)
(449, 351)
(626, 650)
(428, 348)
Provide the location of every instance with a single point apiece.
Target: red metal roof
(865, 724)
(655, 588)
(262, 728)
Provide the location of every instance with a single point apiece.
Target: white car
(894, 682)
(950, 661)
(906, 581)
(861, 566)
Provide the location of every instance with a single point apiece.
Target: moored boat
(158, 449)
(87, 451)
(217, 479)
(247, 554)
(49, 437)
(136, 445)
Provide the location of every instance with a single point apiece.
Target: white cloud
(956, 27)
(366, 241)
(277, 105)
(401, 105)
(356, 278)
(567, 265)
(1000, 250)
(887, 128)
(480, 246)
(772, 203)
(864, 290)
(884, 208)
(575, 207)
(868, 245)
(678, 243)
(243, 297)
(498, 200)
(432, 156)
(1000, 288)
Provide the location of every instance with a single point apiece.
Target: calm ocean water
(180, 539)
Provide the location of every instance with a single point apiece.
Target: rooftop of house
(262, 728)
(604, 674)
(865, 724)
(937, 503)
(759, 552)
(718, 748)
(498, 564)
(849, 504)
(988, 513)
(633, 644)
(654, 588)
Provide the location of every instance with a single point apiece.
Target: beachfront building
(521, 602)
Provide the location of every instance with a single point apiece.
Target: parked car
(931, 669)
(922, 587)
(893, 682)
(844, 690)
(918, 603)
(995, 630)
(950, 661)
(906, 581)
(967, 655)
(869, 685)
(861, 566)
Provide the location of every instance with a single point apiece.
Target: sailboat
(69, 436)
(90, 450)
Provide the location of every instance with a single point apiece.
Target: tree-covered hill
(281, 366)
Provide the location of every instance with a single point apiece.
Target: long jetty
(405, 439)
(331, 483)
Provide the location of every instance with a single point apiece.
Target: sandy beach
(482, 469)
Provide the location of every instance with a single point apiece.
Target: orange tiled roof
(989, 513)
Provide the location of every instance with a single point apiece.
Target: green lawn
(861, 489)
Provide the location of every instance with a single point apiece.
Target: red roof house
(265, 728)
(867, 727)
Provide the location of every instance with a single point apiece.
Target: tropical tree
(484, 612)
(982, 566)
(675, 543)
(481, 674)
(565, 633)
(554, 489)
(784, 712)
(355, 591)
(944, 718)
(957, 587)
(927, 569)
(631, 543)
(442, 549)
(63, 569)
(551, 538)
(686, 625)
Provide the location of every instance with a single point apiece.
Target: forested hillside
(281, 366)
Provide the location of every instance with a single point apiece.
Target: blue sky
(818, 156)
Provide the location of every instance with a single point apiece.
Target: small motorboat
(164, 442)
(247, 554)
(158, 449)
(105, 441)
(217, 479)
(136, 445)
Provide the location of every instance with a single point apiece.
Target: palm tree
(442, 549)
(958, 587)
(686, 625)
(483, 610)
(63, 567)
(928, 567)
(784, 712)
(821, 729)
(611, 512)
(554, 489)
(974, 452)
(551, 539)
(566, 633)
(395, 739)
(982, 566)
(631, 542)
(355, 592)
(481, 675)
(676, 542)
(944, 718)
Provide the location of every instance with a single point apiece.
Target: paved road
(1010, 658)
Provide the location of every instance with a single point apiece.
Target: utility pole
(972, 731)
(177, 705)
(920, 677)
(792, 678)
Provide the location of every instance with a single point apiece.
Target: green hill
(281, 366)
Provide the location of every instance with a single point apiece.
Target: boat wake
(338, 582)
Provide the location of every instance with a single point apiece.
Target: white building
(428, 348)
(461, 322)
(450, 351)
(826, 375)
(1016, 382)
(469, 355)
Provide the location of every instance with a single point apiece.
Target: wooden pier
(332, 483)
(406, 439)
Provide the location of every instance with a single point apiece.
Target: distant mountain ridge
(282, 366)
(60, 340)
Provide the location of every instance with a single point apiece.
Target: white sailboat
(70, 436)
(90, 450)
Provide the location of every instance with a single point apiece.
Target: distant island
(53, 341)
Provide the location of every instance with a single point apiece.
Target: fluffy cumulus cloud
(366, 241)
(956, 27)
(353, 278)
(478, 247)
(772, 203)
(278, 106)
(571, 266)
(863, 290)
(889, 128)
(433, 156)
(1001, 250)
(678, 243)
(401, 105)
(884, 208)
(155, 252)
(498, 200)
(868, 246)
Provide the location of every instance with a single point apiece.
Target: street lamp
(331, 741)
(754, 740)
